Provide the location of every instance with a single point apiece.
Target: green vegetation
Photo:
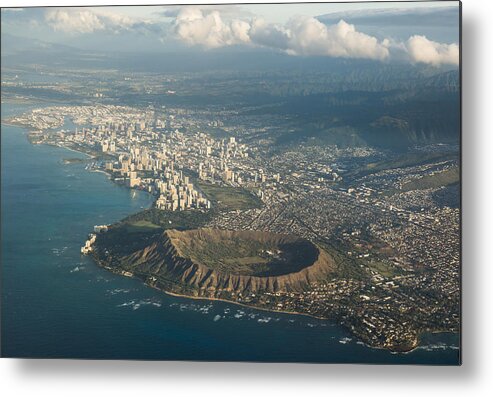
(410, 160)
(403, 161)
(245, 252)
(145, 174)
(141, 227)
(217, 132)
(347, 267)
(155, 218)
(444, 178)
(227, 198)
(125, 239)
(383, 268)
(139, 230)
(235, 256)
(74, 160)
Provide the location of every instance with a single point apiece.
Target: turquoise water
(56, 303)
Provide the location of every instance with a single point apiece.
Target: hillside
(201, 262)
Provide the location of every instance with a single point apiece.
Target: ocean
(59, 304)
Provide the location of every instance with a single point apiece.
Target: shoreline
(25, 128)
(74, 150)
(22, 126)
(102, 172)
(69, 148)
(189, 296)
(330, 320)
(176, 294)
(241, 304)
(333, 322)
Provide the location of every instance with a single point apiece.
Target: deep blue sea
(56, 303)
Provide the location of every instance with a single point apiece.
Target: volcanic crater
(224, 260)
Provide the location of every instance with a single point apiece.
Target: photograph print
(232, 182)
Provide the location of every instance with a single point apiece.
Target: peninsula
(353, 235)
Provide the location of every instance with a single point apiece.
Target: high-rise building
(134, 180)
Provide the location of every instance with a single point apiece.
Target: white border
(474, 378)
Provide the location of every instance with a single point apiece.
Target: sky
(281, 14)
(416, 32)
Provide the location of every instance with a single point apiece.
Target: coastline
(414, 346)
(74, 150)
(169, 292)
(14, 125)
(333, 321)
(26, 132)
(119, 272)
(89, 155)
(219, 299)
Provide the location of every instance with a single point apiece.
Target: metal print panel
(261, 182)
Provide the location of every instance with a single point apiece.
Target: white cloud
(421, 49)
(73, 21)
(300, 36)
(209, 30)
(213, 27)
(269, 35)
(86, 20)
(227, 11)
(308, 36)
